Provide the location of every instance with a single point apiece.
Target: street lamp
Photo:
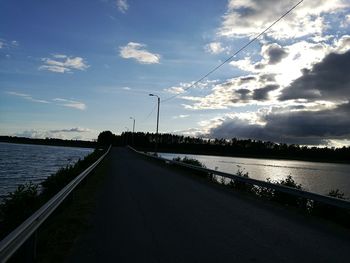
(133, 125)
(133, 129)
(158, 99)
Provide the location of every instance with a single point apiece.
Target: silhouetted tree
(105, 138)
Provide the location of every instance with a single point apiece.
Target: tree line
(233, 147)
(48, 141)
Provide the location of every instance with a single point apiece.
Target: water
(314, 176)
(22, 163)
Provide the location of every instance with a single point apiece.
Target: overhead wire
(237, 52)
(149, 115)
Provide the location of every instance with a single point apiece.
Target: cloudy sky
(70, 69)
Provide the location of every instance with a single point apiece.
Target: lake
(314, 176)
(22, 163)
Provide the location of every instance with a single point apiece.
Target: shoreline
(270, 157)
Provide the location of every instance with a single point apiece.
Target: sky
(71, 69)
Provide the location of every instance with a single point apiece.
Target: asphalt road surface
(147, 212)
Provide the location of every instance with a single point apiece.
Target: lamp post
(158, 99)
(133, 129)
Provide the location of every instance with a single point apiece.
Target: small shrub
(265, 192)
(190, 161)
(222, 180)
(239, 185)
(193, 162)
(336, 193)
(19, 205)
(288, 199)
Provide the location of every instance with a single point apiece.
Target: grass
(57, 236)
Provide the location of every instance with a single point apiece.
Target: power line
(149, 115)
(238, 51)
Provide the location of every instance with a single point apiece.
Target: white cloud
(276, 68)
(59, 56)
(343, 44)
(297, 57)
(38, 134)
(215, 48)
(181, 116)
(61, 63)
(70, 103)
(60, 101)
(76, 129)
(65, 134)
(346, 21)
(126, 88)
(8, 44)
(247, 18)
(27, 97)
(182, 87)
(192, 132)
(14, 43)
(122, 5)
(175, 90)
(138, 52)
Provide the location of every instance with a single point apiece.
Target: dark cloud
(302, 127)
(259, 66)
(243, 95)
(246, 79)
(332, 123)
(267, 78)
(275, 53)
(263, 93)
(327, 80)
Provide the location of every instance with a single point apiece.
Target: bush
(19, 205)
(336, 193)
(190, 161)
(193, 162)
(265, 192)
(281, 197)
(288, 199)
(239, 185)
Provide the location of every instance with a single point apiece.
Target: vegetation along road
(147, 212)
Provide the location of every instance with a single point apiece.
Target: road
(147, 212)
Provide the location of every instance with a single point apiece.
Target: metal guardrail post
(13, 241)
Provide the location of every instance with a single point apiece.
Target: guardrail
(341, 203)
(12, 242)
